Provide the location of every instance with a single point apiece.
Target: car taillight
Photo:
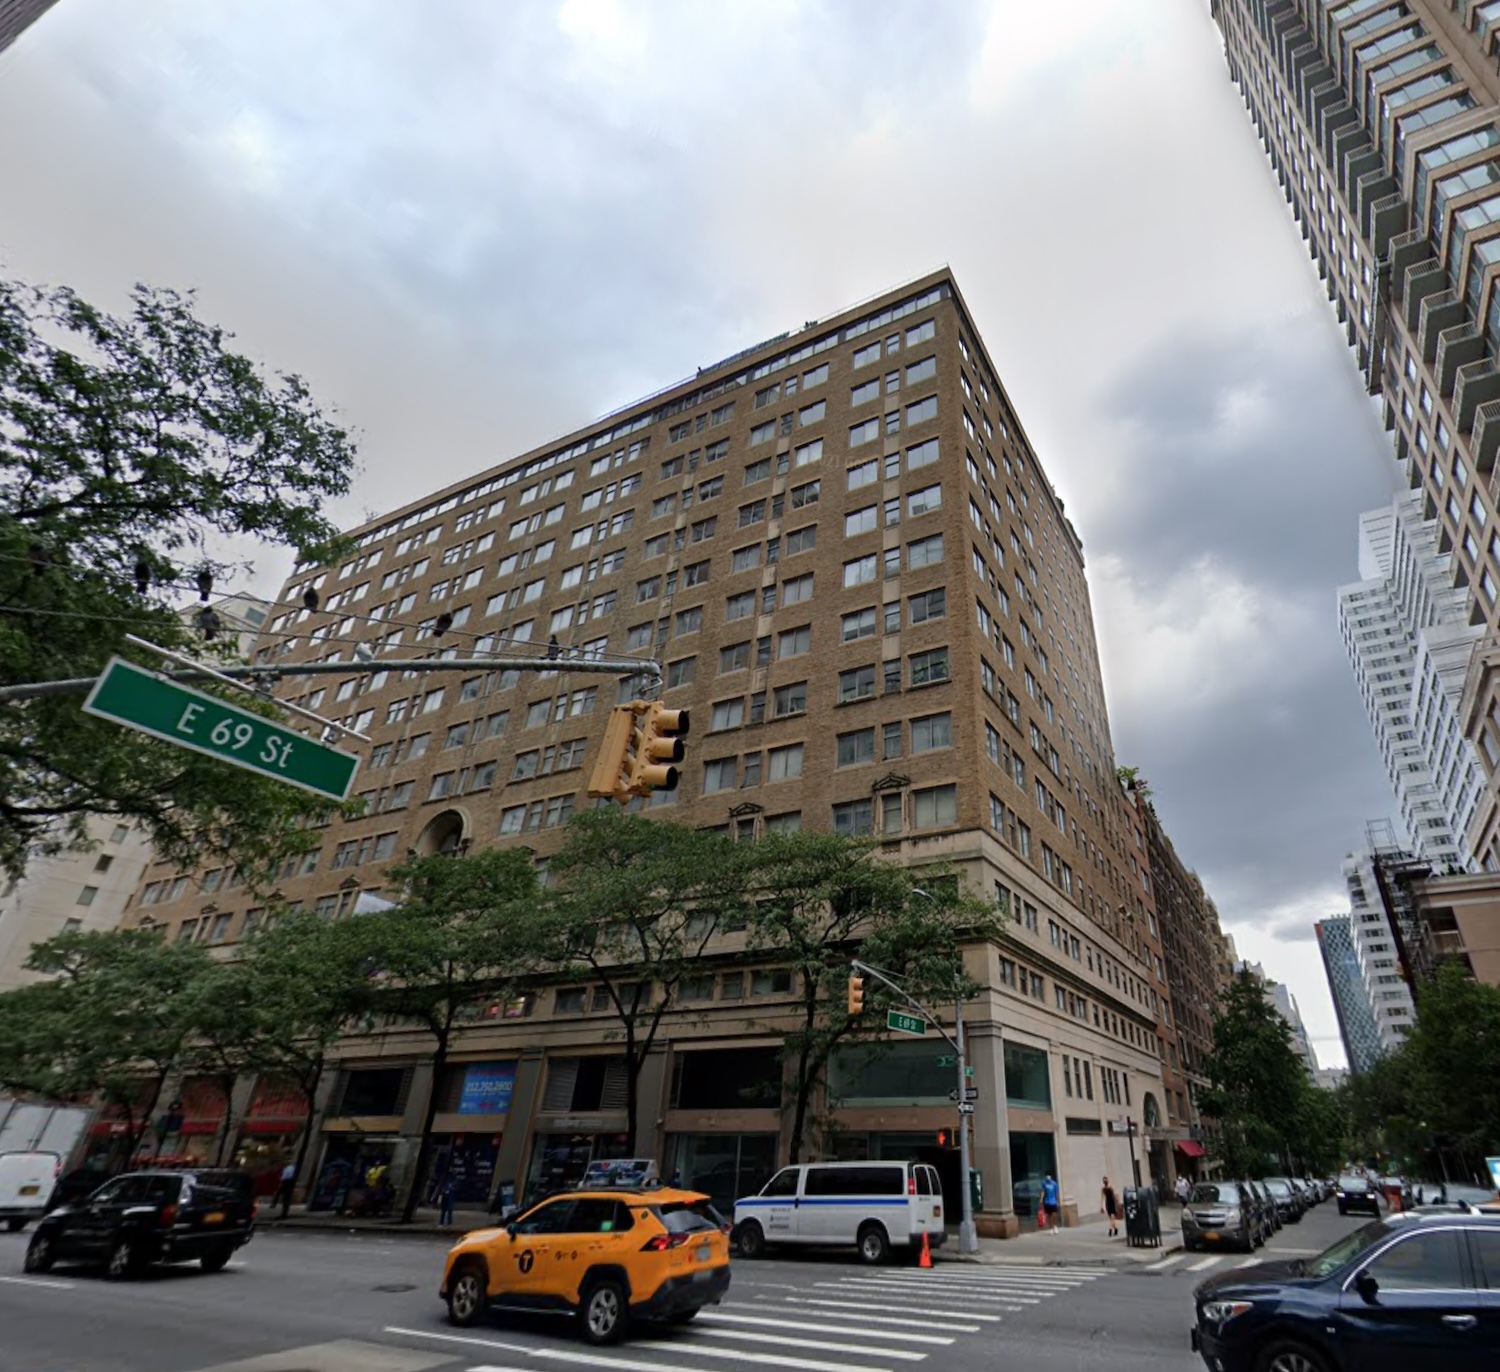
(168, 1215)
(254, 1210)
(911, 1186)
(659, 1243)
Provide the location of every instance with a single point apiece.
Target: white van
(871, 1206)
(26, 1184)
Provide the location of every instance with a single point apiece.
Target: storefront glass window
(1026, 1079)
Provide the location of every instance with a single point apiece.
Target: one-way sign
(965, 1107)
(970, 1093)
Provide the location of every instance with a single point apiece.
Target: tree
(820, 899)
(131, 449)
(463, 935)
(306, 979)
(112, 1021)
(634, 905)
(1256, 1081)
(1454, 1051)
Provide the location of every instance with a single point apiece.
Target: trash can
(1142, 1219)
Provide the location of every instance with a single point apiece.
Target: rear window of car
(856, 1181)
(1215, 1193)
(688, 1217)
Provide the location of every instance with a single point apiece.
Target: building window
(86, 896)
(853, 818)
(938, 805)
(786, 762)
(929, 667)
(858, 683)
(720, 774)
(931, 732)
(856, 747)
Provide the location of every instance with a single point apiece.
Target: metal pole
(968, 1238)
(1135, 1167)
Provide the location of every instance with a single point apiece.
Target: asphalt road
(328, 1302)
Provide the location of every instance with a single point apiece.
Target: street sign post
(903, 1023)
(189, 718)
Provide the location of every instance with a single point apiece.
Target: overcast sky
(473, 226)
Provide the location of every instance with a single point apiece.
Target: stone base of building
(1005, 1226)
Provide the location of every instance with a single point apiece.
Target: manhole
(392, 1288)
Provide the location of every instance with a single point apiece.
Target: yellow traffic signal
(658, 743)
(611, 776)
(856, 995)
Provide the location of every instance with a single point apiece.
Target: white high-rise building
(1375, 946)
(1408, 638)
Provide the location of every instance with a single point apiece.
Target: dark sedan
(1357, 1195)
(1288, 1203)
(143, 1218)
(1415, 1291)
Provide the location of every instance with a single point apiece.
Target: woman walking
(1109, 1203)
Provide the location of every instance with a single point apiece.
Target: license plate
(701, 1253)
(214, 1217)
(30, 1190)
(1212, 1236)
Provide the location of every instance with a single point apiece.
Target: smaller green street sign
(190, 718)
(948, 1061)
(903, 1023)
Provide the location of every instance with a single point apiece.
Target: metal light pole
(968, 1237)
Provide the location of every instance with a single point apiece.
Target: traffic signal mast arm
(864, 969)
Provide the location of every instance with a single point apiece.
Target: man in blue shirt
(1049, 1204)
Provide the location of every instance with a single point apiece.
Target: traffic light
(611, 775)
(658, 742)
(856, 995)
(641, 740)
(944, 1137)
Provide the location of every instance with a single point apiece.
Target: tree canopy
(134, 450)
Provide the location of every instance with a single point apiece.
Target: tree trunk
(804, 1085)
(424, 1149)
(633, 1065)
(309, 1091)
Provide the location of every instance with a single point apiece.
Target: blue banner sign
(487, 1088)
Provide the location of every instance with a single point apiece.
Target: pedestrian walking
(1109, 1203)
(284, 1188)
(445, 1213)
(1050, 1205)
(1184, 1190)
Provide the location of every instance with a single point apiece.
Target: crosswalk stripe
(1015, 1302)
(812, 1345)
(959, 1289)
(861, 1307)
(1249, 1262)
(729, 1317)
(1165, 1262)
(984, 1274)
(600, 1358)
(1203, 1264)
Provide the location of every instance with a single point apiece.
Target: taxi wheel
(603, 1314)
(466, 1295)
(1288, 1356)
(751, 1240)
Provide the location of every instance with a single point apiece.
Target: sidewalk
(424, 1223)
(1084, 1244)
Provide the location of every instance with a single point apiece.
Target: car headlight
(1232, 1216)
(1221, 1312)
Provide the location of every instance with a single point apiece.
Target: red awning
(1188, 1148)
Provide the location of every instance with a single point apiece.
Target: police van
(873, 1207)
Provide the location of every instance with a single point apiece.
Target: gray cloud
(475, 226)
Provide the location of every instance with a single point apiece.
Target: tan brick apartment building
(858, 578)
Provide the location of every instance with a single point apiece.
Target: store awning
(1188, 1148)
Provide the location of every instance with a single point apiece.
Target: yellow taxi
(606, 1256)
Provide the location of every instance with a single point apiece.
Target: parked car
(1357, 1194)
(873, 1207)
(1288, 1204)
(27, 1181)
(143, 1218)
(1220, 1213)
(1455, 1195)
(1405, 1292)
(605, 1257)
(1265, 1209)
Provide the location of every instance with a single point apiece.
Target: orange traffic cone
(925, 1260)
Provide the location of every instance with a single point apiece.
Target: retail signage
(487, 1088)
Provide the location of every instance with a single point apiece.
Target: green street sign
(189, 718)
(968, 1071)
(903, 1023)
(948, 1061)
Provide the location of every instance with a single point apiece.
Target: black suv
(1415, 1291)
(143, 1218)
(1356, 1193)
